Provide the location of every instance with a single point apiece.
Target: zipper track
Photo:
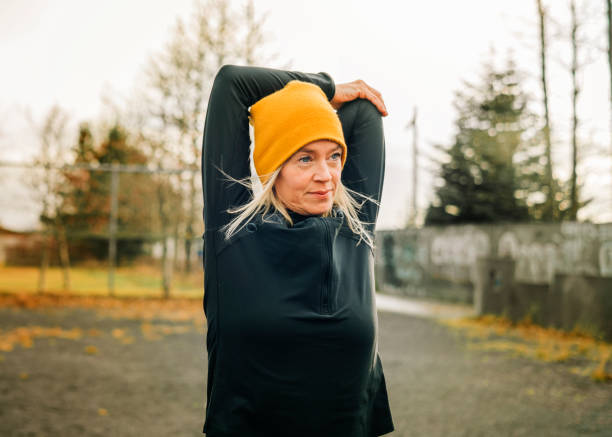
(327, 276)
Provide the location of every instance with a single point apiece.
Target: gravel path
(126, 377)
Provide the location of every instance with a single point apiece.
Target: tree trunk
(166, 269)
(573, 209)
(44, 262)
(175, 254)
(166, 281)
(44, 259)
(190, 222)
(62, 242)
(549, 205)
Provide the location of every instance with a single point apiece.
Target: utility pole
(112, 238)
(415, 169)
(609, 13)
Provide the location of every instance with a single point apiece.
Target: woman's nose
(322, 172)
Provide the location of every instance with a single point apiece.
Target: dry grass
(591, 356)
(137, 295)
(188, 312)
(175, 309)
(142, 280)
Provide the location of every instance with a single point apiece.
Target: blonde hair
(265, 201)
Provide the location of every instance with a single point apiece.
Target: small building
(19, 248)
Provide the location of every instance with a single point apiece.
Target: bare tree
(180, 78)
(49, 188)
(581, 57)
(548, 212)
(573, 209)
(254, 36)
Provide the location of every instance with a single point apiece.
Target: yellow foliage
(525, 338)
(24, 335)
(600, 374)
(155, 331)
(126, 307)
(91, 350)
(176, 310)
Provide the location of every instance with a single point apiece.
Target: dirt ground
(84, 372)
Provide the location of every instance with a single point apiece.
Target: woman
(289, 287)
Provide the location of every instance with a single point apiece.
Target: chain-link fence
(138, 226)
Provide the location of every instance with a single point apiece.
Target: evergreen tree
(87, 205)
(491, 159)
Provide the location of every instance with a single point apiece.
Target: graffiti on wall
(605, 250)
(539, 252)
(578, 249)
(459, 249)
(457, 252)
(605, 258)
(578, 256)
(403, 261)
(534, 261)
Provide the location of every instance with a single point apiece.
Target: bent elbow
(226, 74)
(368, 110)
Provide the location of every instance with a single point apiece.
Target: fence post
(112, 238)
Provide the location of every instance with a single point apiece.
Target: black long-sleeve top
(292, 329)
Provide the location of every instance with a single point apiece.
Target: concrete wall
(557, 275)
(584, 303)
(442, 260)
(580, 303)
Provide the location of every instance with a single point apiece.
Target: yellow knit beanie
(288, 119)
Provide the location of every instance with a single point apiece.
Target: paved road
(126, 378)
(439, 387)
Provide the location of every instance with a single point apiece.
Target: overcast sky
(75, 52)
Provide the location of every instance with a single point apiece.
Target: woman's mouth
(321, 194)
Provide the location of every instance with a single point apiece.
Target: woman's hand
(345, 92)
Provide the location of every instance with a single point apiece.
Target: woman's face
(308, 180)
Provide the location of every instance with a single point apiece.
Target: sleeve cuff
(330, 92)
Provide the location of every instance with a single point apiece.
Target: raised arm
(365, 164)
(226, 142)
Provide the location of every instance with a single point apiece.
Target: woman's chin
(320, 209)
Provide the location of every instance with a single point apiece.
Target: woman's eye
(337, 155)
(304, 159)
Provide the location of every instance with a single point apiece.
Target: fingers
(373, 95)
(372, 89)
(358, 89)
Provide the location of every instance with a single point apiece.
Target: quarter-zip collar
(297, 217)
